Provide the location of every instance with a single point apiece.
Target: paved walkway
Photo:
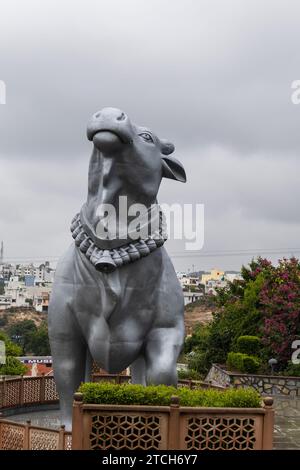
(45, 419)
(287, 423)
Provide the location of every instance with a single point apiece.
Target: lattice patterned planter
(18, 436)
(110, 427)
(22, 391)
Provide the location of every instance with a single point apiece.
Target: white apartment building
(26, 285)
(5, 302)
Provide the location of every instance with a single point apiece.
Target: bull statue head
(127, 160)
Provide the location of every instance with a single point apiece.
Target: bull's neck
(107, 185)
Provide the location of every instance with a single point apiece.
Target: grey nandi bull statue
(117, 301)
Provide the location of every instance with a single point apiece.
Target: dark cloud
(213, 76)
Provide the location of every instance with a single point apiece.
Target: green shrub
(189, 374)
(198, 361)
(234, 361)
(251, 364)
(11, 349)
(292, 369)
(12, 367)
(3, 320)
(127, 394)
(198, 340)
(249, 345)
(243, 362)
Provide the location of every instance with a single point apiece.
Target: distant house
(5, 302)
(29, 280)
(214, 275)
(17, 291)
(26, 285)
(217, 279)
(37, 365)
(187, 281)
(41, 301)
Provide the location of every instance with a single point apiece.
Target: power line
(186, 254)
(197, 254)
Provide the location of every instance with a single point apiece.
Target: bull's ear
(173, 169)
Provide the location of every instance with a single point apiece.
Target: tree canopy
(264, 303)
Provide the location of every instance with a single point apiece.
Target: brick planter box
(111, 427)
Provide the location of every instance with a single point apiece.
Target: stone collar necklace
(108, 260)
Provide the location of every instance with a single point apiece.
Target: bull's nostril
(97, 115)
(121, 117)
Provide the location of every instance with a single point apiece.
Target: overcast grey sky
(212, 76)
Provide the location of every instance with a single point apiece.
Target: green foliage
(280, 304)
(292, 370)
(264, 304)
(3, 321)
(198, 361)
(33, 340)
(39, 342)
(249, 345)
(11, 349)
(126, 394)
(21, 334)
(189, 374)
(12, 367)
(199, 339)
(196, 349)
(243, 362)
(22, 328)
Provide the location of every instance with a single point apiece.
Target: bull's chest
(112, 310)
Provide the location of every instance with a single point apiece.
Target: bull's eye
(146, 136)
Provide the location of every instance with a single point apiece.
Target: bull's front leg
(138, 370)
(69, 355)
(163, 347)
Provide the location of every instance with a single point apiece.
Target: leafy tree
(11, 349)
(12, 367)
(21, 333)
(3, 321)
(264, 303)
(33, 340)
(39, 341)
(280, 300)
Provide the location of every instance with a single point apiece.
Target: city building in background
(25, 285)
